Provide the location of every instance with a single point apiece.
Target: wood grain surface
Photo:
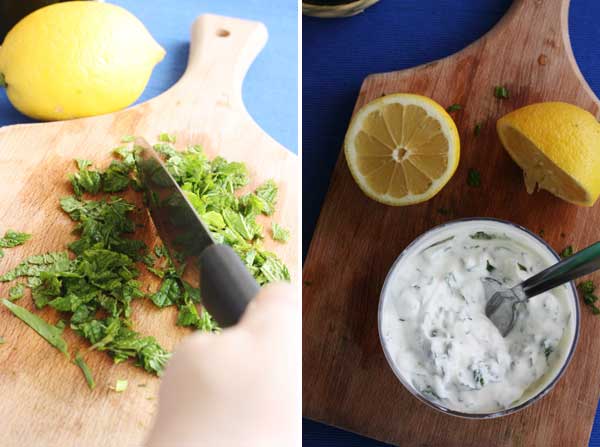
(44, 399)
(346, 380)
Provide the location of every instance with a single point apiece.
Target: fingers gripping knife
(226, 285)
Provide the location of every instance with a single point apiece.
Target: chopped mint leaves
(95, 283)
(454, 108)
(52, 334)
(489, 267)
(16, 292)
(474, 178)
(167, 138)
(567, 251)
(280, 234)
(121, 385)
(85, 180)
(587, 288)
(87, 373)
(13, 238)
(483, 236)
(501, 92)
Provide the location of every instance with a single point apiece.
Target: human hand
(241, 387)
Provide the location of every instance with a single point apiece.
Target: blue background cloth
(270, 89)
(393, 34)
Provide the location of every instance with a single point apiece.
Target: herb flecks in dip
(438, 337)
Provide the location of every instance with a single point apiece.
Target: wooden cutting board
(44, 399)
(346, 380)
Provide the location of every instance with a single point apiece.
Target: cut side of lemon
(558, 147)
(402, 148)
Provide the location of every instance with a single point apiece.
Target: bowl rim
(439, 407)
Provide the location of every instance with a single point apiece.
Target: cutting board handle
(554, 12)
(221, 51)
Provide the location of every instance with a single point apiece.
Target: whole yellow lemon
(77, 59)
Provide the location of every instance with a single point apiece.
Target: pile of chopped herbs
(94, 288)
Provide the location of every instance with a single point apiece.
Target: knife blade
(226, 285)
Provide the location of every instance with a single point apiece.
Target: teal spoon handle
(581, 263)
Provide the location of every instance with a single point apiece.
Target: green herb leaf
(16, 292)
(168, 294)
(85, 180)
(35, 265)
(522, 267)
(127, 155)
(489, 267)
(501, 92)
(166, 138)
(587, 286)
(589, 298)
(267, 194)
(280, 234)
(87, 373)
(454, 108)
(474, 178)
(116, 177)
(567, 251)
(121, 385)
(189, 316)
(483, 236)
(13, 238)
(477, 129)
(114, 336)
(128, 139)
(52, 334)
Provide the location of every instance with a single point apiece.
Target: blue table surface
(394, 34)
(270, 87)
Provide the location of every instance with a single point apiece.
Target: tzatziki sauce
(435, 332)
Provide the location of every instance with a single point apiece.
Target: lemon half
(402, 148)
(558, 147)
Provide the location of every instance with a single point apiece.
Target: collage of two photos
(149, 224)
(325, 223)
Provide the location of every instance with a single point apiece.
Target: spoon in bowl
(502, 307)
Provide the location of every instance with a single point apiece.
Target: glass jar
(335, 8)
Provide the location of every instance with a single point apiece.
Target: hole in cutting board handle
(223, 32)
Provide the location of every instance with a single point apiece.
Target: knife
(226, 285)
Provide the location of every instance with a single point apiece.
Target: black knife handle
(226, 285)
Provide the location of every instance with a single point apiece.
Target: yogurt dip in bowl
(437, 339)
